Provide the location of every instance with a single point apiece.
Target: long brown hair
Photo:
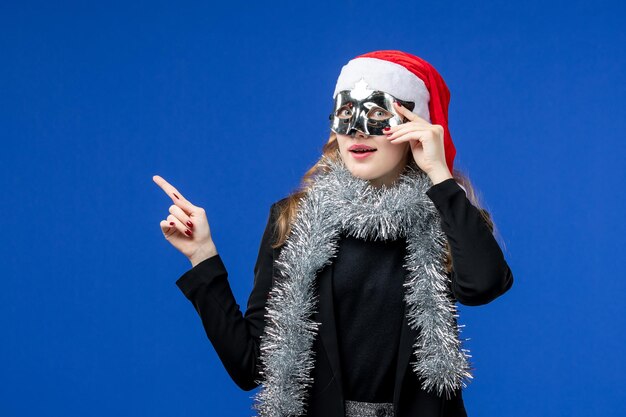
(288, 207)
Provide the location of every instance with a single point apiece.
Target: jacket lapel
(328, 330)
(407, 336)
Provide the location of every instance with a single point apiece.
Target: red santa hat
(408, 78)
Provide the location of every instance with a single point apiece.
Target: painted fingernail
(189, 224)
(188, 232)
(171, 223)
(387, 128)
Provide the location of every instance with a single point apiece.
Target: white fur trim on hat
(388, 77)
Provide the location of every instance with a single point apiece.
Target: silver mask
(364, 110)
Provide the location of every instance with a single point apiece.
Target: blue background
(229, 102)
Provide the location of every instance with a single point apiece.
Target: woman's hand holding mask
(426, 142)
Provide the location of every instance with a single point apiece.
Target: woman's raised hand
(426, 141)
(186, 228)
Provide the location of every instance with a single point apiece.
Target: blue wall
(229, 103)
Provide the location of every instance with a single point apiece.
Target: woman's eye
(379, 114)
(344, 113)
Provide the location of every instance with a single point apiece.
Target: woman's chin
(364, 174)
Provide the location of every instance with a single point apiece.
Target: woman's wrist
(439, 174)
(203, 253)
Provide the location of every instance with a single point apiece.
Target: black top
(367, 282)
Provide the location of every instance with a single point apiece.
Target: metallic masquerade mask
(365, 110)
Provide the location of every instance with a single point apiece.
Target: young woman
(353, 310)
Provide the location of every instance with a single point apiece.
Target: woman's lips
(360, 146)
(360, 151)
(362, 154)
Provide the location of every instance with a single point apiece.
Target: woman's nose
(357, 134)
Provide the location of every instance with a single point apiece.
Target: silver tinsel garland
(338, 201)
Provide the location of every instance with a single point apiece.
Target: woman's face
(382, 165)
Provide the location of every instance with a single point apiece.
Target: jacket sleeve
(235, 336)
(480, 273)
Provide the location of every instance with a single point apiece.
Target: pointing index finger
(169, 189)
(174, 194)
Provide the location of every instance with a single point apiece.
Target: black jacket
(480, 274)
